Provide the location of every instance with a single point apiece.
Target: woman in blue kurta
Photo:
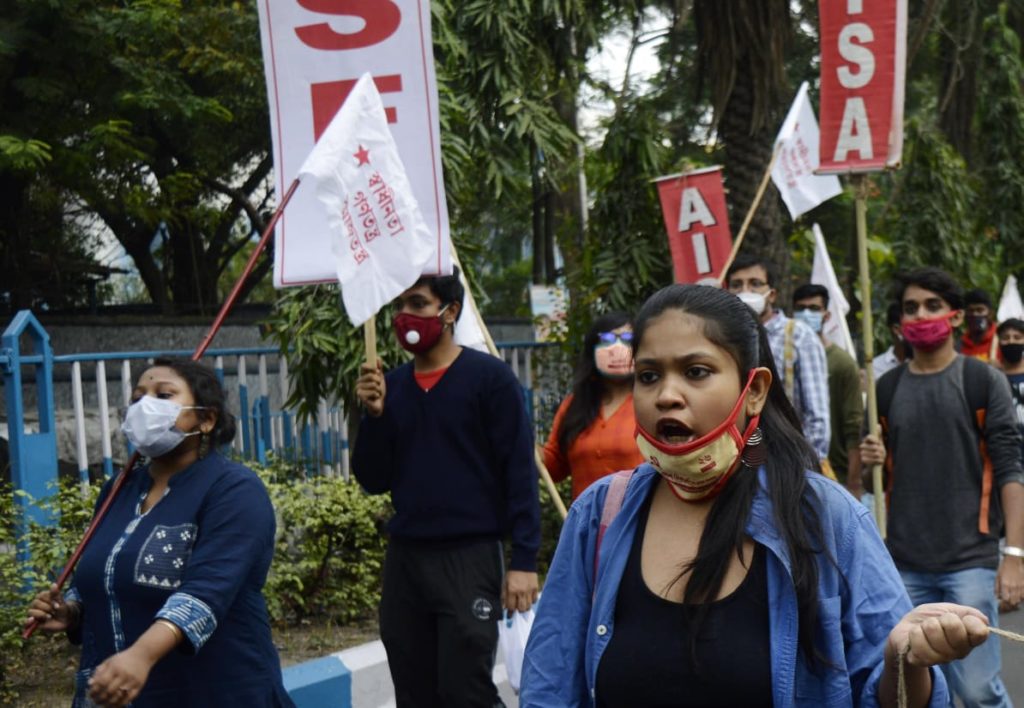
(166, 600)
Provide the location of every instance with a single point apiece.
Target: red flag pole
(198, 353)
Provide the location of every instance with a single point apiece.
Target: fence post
(243, 408)
(101, 395)
(81, 454)
(33, 455)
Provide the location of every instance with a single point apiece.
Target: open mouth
(672, 432)
(691, 487)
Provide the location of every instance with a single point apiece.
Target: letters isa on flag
(313, 53)
(378, 236)
(863, 68)
(697, 223)
(793, 174)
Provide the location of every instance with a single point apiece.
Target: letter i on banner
(697, 223)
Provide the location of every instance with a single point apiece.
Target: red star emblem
(363, 155)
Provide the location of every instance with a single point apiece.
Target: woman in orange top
(594, 432)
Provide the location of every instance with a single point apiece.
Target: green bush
(49, 548)
(330, 548)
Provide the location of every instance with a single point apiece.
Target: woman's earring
(204, 444)
(754, 452)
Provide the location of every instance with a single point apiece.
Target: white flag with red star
(379, 238)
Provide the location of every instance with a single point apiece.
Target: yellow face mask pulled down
(699, 469)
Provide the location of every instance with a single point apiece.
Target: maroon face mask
(928, 335)
(418, 334)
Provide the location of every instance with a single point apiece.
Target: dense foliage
(167, 146)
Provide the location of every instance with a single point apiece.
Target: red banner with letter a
(863, 67)
(697, 222)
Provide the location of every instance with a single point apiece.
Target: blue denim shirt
(576, 618)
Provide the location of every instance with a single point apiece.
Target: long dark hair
(731, 325)
(587, 383)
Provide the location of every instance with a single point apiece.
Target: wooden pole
(738, 243)
(860, 186)
(370, 337)
(545, 476)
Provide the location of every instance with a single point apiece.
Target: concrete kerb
(359, 678)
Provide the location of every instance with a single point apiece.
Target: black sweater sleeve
(373, 456)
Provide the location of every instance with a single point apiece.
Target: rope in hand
(902, 685)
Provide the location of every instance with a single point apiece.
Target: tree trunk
(537, 211)
(550, 209)
(15, 253)
(961, 56)
(747, 156)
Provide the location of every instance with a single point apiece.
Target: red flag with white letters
(697, 222)
(863, 67)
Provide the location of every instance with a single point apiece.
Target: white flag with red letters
(793, 173)
(378, 236)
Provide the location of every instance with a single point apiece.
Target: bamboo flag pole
(738, 243)
(860, 186)
(545, 476)
(370, 337)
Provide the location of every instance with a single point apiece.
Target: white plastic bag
(513, 631)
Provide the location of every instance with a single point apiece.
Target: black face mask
(1012, 353)
(977, 323)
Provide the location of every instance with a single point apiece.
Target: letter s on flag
(380, 17)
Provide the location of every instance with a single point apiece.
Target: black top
(1017, 391)
(458, 459)
(649, 660)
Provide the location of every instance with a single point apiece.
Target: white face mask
(149, 425)
(755, 301)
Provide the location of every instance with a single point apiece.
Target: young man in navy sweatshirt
(447, 434)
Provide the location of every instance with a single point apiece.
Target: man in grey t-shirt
(948, 501)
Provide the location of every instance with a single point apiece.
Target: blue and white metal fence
(257, 386)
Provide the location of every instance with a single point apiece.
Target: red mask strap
(683, 448)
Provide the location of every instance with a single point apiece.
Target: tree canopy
(146, 121)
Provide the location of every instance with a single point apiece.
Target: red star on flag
(363, 155)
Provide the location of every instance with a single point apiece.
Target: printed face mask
(928, 335)
(755, 301)
(149, 425)
(612, 355)
(810, 318)
(699, 469)
(1012, 353)
(418, 334)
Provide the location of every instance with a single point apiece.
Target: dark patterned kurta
(198, 558)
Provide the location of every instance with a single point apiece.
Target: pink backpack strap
(612, 503)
